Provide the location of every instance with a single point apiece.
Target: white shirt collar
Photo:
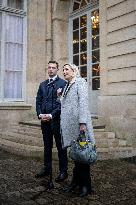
(53, 78)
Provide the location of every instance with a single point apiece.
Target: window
(84, 51)
(12, 49)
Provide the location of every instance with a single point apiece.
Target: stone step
(22, 138)
(21, 149)
(26, 131)
(122, 152)
(37, 152)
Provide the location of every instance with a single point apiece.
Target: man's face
(52, 69)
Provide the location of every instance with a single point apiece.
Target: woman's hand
(59, 92)
(82, 127)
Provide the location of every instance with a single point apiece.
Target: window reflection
(83, 20)
(75, 23)
(83, 45)
(95, 22)
(83, 33)
(95, 42)
(83, 3)
(83, 58)
(83, 71)
(95, 56)
(76, 42)
(95, 70)
(96, 83)
(76, 60)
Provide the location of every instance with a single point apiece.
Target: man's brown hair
(55, 62)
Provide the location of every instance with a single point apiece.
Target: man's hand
(46, 117)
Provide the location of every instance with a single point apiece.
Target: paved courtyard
(114, 183)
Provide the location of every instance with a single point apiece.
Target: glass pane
(14, 29)
(18, 4)
(95, 42)
(96, 83)
(76, 42)
(95, 22)
(83, 33)
(83, 71)
(75, 23)
(83, 20)
(95, 56)
(83, 45)
(76, 6)
(13, 56)
(76, 60)
(83, 58)
(13, 84)
(83, 3)
(95, 70)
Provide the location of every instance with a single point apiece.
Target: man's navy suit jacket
(46, 100)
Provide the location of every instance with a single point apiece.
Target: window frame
(4, 10)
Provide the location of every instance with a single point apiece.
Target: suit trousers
(50, 130)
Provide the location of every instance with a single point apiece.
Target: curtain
(13, 57)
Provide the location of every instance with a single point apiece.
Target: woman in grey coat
(75, 117)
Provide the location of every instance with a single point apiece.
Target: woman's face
(68, 73)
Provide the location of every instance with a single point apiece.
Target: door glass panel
(83, 71)
(95, 42)
(95, 70)
(95, 56)
(83, 58)
(83, 45)
(83, 20)
(83, 3)
(83, 33)
(76, 60)
(95, 22)
(75, 42)
(76, 24)
(96, 83)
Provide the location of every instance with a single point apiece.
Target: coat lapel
(67, 88)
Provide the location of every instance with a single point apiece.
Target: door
(84, 50)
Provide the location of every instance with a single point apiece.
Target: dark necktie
(51, 80)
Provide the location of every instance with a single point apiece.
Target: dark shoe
(42, 173)
(70, 188)
(61, 177)
(84, 192)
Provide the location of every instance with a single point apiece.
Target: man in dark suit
(48, 110)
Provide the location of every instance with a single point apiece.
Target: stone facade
(47, 39)
(117, 102)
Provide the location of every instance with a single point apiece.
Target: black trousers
(81, 175)
(50, 129)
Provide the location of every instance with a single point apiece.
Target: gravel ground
(114, 183)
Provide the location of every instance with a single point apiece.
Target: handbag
(82, 150)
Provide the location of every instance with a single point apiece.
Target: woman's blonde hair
(74, 68)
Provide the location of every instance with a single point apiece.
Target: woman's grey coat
(75, 110)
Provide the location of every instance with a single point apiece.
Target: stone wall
(117, 102)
